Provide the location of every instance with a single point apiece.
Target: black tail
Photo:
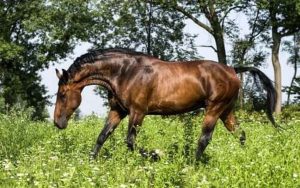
(268, 86)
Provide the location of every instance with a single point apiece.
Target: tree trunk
(241, 91)
(215, 28)
(217, 32)
(219, 38)
(295, 61)
(277, 69)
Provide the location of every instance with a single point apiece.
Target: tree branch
(194, 19)
(222, 19)
(288, 32)
(209, 46)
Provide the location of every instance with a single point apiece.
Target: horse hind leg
(212, 115)
(135, 120)
(214, 111)
(206, 134)
(232, 126)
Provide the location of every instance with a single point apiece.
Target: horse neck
(101, 73)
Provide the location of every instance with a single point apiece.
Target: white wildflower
(295, 175)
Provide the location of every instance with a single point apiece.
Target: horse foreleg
(113, 120)
(135, 120)
(213, 112)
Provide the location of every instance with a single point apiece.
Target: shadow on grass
(204, 160)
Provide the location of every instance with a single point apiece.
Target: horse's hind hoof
(242, 141)
(154, 155)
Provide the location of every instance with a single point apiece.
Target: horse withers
(140, 85)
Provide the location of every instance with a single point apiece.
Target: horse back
(159, 87)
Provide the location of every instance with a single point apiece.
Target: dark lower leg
(132, 132)
(107, 130)
(206, 135)
(202, 143)
(135, 120)
(243, 137)
(113, 120)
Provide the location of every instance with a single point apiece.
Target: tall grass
(36, 154)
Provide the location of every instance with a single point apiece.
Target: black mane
(99, 54)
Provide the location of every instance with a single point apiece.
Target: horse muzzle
(61, 123)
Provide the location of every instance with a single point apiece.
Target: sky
(93, 104)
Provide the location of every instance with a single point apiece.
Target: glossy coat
(140, 85)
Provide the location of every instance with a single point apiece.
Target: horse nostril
(58, 125)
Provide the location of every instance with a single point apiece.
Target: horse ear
(65, 75)
(58, 74)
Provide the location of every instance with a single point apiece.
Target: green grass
(36, 154)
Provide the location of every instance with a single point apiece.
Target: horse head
(67, 101)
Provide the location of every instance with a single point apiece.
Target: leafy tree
(33, 34)
(142, 26)
(216, 12)
(284, 21)
(246, 50)
(279, 18)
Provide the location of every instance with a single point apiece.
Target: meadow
(36, 154)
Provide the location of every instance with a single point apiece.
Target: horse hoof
(154, 155)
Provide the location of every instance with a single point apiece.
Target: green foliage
(286, 16)
(145, 27)
(2, 104)
(37, 154)
(290, 112)
(217, 21)
(281, 16)
(298, 6)
(296, 90)
(32, 35)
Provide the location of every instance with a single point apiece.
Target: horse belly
(171, 107)
(177, 99)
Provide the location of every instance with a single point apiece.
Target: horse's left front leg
(113, 120)
(135, 120)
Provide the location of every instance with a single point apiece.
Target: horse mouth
(61, 123)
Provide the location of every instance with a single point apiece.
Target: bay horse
(140, 85)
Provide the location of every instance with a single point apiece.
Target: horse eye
(62, 96)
